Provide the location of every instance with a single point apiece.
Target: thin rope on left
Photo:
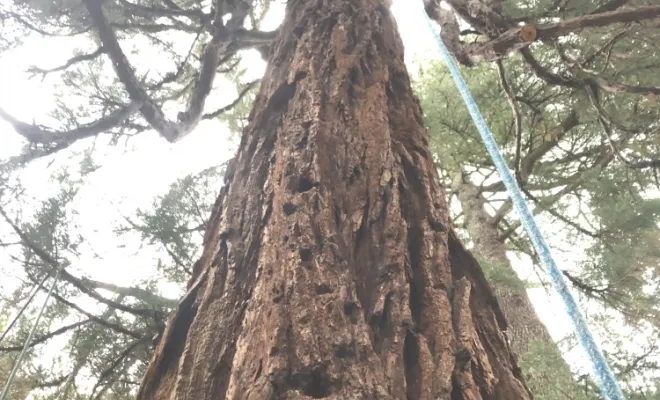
(26, 345)
(25, 306)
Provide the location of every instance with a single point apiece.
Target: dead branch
(46, 337)
(36, 134)
(72, 61)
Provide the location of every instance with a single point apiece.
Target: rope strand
(26, 345)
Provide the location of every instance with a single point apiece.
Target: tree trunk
(330, 268)
(524, 328)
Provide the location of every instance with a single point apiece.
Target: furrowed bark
(330, 267)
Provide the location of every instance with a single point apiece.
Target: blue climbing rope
(608, 384)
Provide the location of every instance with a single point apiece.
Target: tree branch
(95, 319)
(562, 28)
(36, 134)
(249, 86)
(610, 6)
(73, 60)
(140, 294)
(47, 336)
(49, 260)
(188, 120)
(517, 123)
(519, 37)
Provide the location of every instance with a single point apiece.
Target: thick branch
(152, 11)
(140, 294)
(189, 119)
(517, 38)
(562, 28)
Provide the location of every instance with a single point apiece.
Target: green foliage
(501, 275)
(176, 221)
(585, 162)
(546, 375)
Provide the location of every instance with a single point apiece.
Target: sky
(134, 172)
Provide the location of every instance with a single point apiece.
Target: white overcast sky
(132, 175)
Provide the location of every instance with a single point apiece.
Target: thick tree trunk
(524, 328)
(330, 268)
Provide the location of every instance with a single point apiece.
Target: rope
(26, 345)
(608, 384)
(22, 310)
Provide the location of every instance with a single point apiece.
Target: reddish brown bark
(330, 267)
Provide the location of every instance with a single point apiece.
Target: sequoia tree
(330, 267)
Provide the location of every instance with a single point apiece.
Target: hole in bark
(278, 294)
(345, 350)
(436, 226)
(304, 184)
(289, 208)
(323, 289)
(314, 383)
(352, 81)
(383, 10)
(362, 231)
(338, 214)
(302, 143)
(417, 283)
(411, 366)
(463, 358)
(305, 255)
(351, 310)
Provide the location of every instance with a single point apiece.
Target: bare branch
(150, 12)
(47, 336)
(614, 87)
(23, 21)
(36, 134)
(249, 86)
(517, 123)
(73, 60)
(140, 294)
(154, 28)
(562, 28)
(98, 320)
(610, 6)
